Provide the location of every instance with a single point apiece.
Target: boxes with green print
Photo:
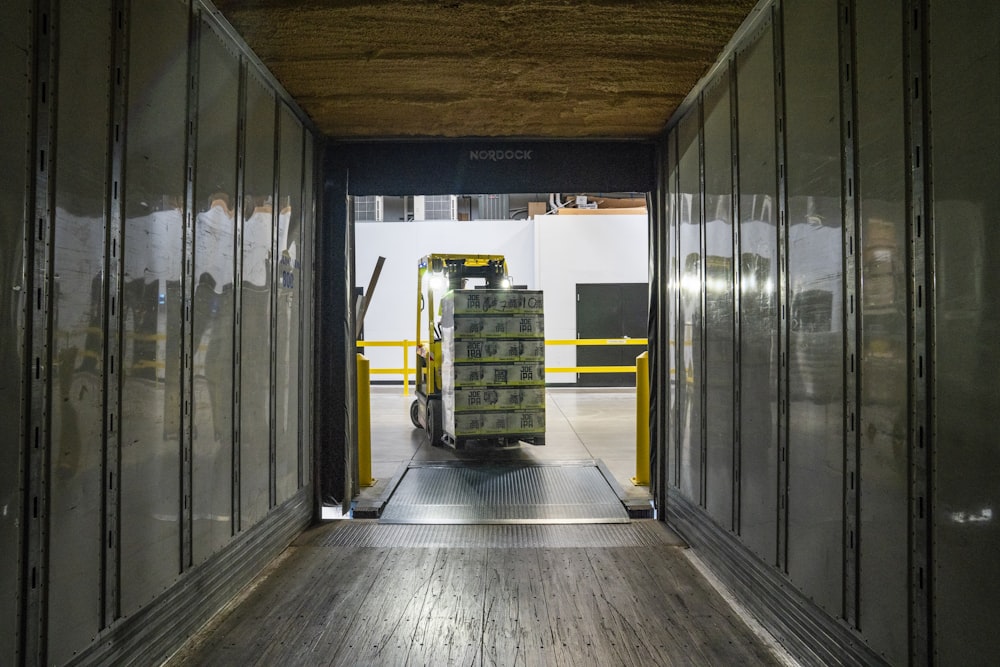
(482, 424)
(499, 326)
(492, 350)
(499, 398)
(481, 375)
(492, 302)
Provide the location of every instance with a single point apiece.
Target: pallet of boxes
(493, 366)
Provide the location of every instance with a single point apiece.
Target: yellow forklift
(456, 401)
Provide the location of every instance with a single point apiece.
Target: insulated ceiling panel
(487, 68)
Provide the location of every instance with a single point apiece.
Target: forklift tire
(415, 414)
(434, 430)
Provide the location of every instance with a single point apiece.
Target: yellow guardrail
(641, 370)
(406, 370)
(597, 341)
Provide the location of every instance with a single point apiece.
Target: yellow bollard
(364, 423)
(641, 420)
(406, 368)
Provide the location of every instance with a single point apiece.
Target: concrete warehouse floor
(581, 425)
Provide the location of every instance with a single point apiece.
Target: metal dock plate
(499, 494)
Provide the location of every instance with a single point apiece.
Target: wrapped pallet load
(493, 367)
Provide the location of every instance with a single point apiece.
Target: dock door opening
(444, 168)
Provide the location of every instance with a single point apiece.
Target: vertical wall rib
(273, 282)
(702, 323)
(657, 383)
(113, 306)
(781, 545)
(350, 363)
(303, 373)
(187, 291)
(737, 288)
(39, 333)
(675, 300)
(920, 260)
(239, 216)
(664, 417)
(312, 204)
(852, 243)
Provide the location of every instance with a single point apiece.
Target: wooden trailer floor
(364, 593)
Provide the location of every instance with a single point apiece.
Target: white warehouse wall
(392, 312)
(551, 253)
(573, 249)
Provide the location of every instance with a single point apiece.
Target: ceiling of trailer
(498, 68)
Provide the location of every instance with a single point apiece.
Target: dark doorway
(612, 310)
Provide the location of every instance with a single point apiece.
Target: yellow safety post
(406, 368)
(364, 423)
(641, 420)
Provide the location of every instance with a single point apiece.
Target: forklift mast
(443, 272)
(452, 272)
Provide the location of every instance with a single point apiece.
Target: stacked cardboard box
(493, 366)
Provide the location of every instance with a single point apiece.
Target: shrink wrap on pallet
(493, 366)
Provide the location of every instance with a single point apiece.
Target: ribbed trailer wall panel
(82, 159)
(963, 160)
(824, 324)
(881, 205)
(718, 299)
(143, 290)
(151, 302)
(15, 78)
(214, 293)
(813, 312)
(864, 321)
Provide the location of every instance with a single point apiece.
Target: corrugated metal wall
(963, 73)
(830, 414)
(823, 252)
(157, 229)
(15, 80)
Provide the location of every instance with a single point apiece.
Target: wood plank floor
(360, 593)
